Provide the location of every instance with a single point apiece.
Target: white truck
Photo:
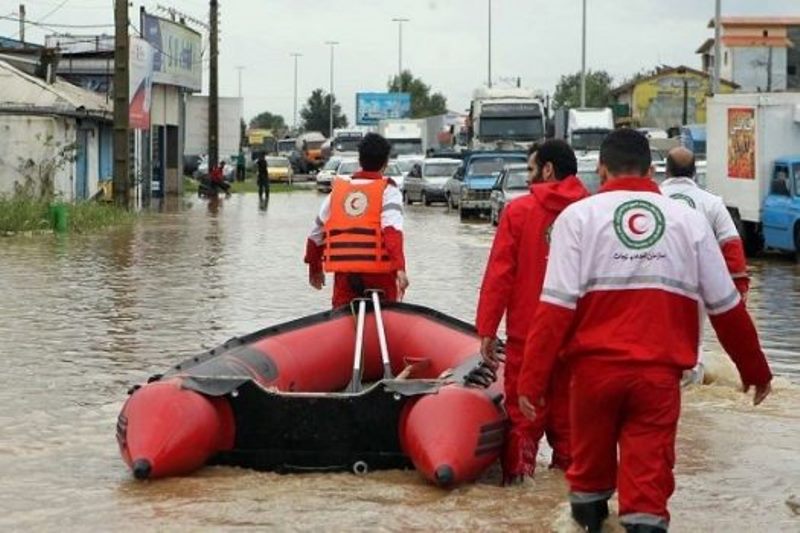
(753, 154)
(584, 128)
(506, 118)
(407, 136)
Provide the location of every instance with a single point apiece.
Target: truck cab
(781, 214)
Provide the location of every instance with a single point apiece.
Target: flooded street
(85, 317)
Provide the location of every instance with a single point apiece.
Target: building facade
(657, 100)
(759, 54)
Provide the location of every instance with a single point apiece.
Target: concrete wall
(30, 141)
(750, 68)
(35, 142)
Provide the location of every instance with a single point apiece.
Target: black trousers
(263, 189)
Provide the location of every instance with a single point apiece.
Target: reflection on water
(84, 317)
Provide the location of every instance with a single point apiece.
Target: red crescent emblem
(353, 202)
(632, 224)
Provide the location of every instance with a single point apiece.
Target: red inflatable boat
(289, 398)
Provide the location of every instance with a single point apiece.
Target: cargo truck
(506, 118)
(753, 154)
(584, 128)
(409, 137)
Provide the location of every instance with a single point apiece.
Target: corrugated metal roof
(20, 91)
(757, 21)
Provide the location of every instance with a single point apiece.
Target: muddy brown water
(84, 317)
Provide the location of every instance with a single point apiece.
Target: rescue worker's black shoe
(590, 516)
(643, 528)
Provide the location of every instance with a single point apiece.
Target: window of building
(766, 33)
(791, 70)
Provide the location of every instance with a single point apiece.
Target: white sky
(445, 41)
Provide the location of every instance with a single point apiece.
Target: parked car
(393, 171)
(347, 167)
(470, 188)
(325, 176)
(512, 183)
(406, 164)
(426, 182)
(279, 169)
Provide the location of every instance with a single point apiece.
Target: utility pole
(489, 81)
(240, 69)
(583, 59)
(121, 103)
(400, 22)
(213, 87)
(717, 46)
(332, 44)
(295, 55)
(22, 23)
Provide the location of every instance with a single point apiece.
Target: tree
(598, 90)
(316, 113)
(268, 121)
(423, 103)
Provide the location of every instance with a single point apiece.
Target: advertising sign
(374, 107)
(742, 143)
(140, 83)
(178, 49)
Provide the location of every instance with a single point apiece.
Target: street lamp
(490, 45)
(400, 22)
(240, 69)
(295, 55)
(583, 59)
(332, 44)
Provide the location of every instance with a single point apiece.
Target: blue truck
(754, 165)
(471, 187)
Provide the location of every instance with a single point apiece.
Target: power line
(51, 26)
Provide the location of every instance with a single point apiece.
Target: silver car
(512, 183)
(426, 182)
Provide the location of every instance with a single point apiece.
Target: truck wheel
(797, 241)
(753, 239)
(493, 217)
(406, 198)
(424, 198)
(463, 214)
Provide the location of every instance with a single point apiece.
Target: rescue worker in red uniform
(358, 235)
(681, 185)
(511, 286)
(626, 271)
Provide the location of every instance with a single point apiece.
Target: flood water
(84, 317)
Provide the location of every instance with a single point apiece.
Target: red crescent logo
(632, 224)
(353, 203)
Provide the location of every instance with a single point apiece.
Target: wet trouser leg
(557, 428)
(522, 443)
(638, 408)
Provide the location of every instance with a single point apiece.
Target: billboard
(742, 143)
(177, 59)
(140, 83)
(230, 114)
(373, 107)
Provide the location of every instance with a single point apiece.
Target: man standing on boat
(358, 235)
(511, 286)
(626, 271)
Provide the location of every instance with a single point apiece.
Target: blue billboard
(373, 107)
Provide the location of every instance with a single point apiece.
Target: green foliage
(316, 113)
(423, 103)
(598, 90)
(268, 121)
(19, 214)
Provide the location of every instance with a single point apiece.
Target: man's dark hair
(373, 152)
(681, 169)
(626, 151)
(560, 154)
(532, 149)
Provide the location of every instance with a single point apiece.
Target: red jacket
(515, 271)
(626, 271)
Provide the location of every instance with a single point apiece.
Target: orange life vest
(353, 235)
